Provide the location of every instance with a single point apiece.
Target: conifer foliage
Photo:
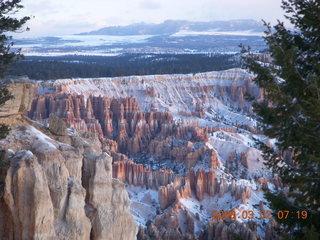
(8, 23)
(291, 115)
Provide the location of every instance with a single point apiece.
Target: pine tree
(8, 23)
(291, 114)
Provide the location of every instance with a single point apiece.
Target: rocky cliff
(23, 91)
(61, 189)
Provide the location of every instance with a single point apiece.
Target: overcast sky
(58, 17)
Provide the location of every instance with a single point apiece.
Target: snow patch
(42, 142)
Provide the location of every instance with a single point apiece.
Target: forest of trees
(45, 68)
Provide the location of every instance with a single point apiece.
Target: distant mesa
(170, 27)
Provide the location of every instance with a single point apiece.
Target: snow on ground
(225, 143)
(179, 94)
(144, 203)
(80, 41)
(183, 33)
(174, 92)
(41, 140)
(32, 52)
(206, 208)
(209, 204)
(145, 206)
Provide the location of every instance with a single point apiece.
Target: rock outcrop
(174, 224)
(56, 190)
(23, 91)
(201, 183)
(169, 194)
(27, 198)
(108, 203)
(183, 151)
(137, 175)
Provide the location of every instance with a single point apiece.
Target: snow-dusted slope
(219, 94)
(215, 100)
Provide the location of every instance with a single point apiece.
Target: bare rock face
(109, 145)
(176, 223)
(244, 159)
(57, 126)
(169, 194)
(75, 224)
(27, 197)
(115, 119)
(202, 183)
(184, 151)
(30, 203)
(55, 190)
(24, 92)
(199, 183)
(137, 175)
(108, 203)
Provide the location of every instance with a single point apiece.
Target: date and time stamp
(251, 215)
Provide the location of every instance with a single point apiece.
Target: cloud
(73, 16)
(152, 5)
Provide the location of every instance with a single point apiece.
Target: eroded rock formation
(123, 128)
(23, 91)
(179, 92)
(227, 230)
(56, 190)
(174, 224)
(137, 175)
(134, 120)
(201, 183)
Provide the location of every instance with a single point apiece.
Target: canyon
(144, 157)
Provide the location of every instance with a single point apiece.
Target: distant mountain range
(169, 37)
(170, 27)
